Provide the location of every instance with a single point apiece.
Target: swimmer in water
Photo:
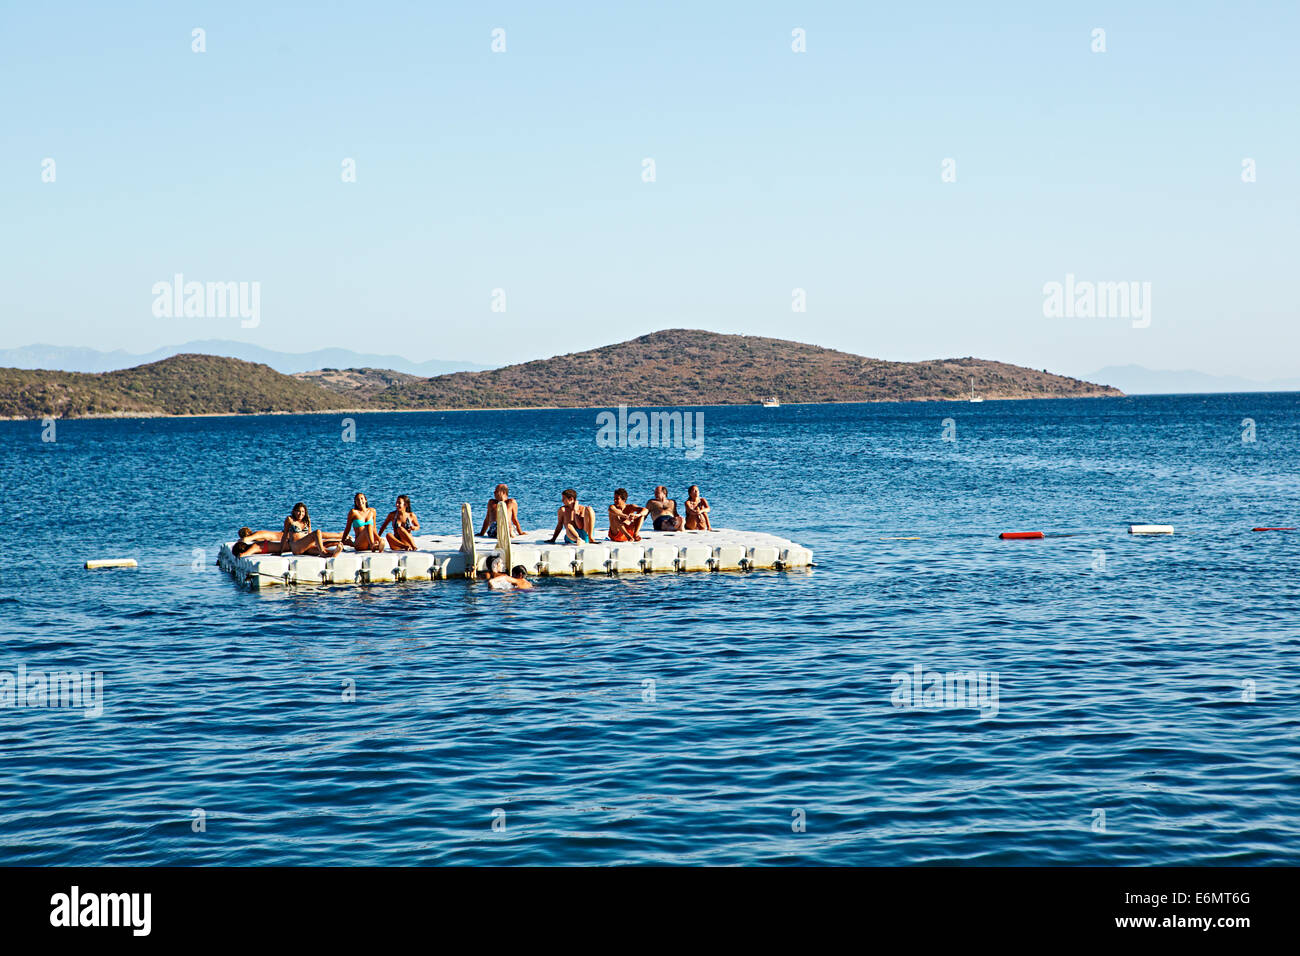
(498, 580)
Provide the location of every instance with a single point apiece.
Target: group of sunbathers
(360, 532)
(576, 521)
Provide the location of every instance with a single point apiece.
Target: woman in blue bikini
(364, 517)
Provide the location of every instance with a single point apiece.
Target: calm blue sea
(1148, 689)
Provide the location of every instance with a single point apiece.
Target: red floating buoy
(1010, 535)
(1272, 529)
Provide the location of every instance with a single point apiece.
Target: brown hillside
(180, 385)
(687, 367)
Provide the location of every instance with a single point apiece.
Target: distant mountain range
(1136, 380)
(68, 359)
(672, 367)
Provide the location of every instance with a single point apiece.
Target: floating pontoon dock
(460, 556)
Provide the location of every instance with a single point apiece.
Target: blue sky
(775, 170)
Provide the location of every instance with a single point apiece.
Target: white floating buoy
(1150, 529)
(112, 563)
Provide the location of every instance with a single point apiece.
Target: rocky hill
(181, 385)
(691, 367)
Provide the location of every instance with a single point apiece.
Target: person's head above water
(518, 571)
(496, 566)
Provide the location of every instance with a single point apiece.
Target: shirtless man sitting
(578, 522)
(625, 519)
(663, 512)
(489, 528)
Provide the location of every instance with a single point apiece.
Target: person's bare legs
(632, 526)
(399, 539)
(313, 544)
(589, 522)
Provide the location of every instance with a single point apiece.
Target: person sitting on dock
(519, 574)
(697, 511)
(663, 511)
(625, 519)
(489, 528)
(404, 523)
(497, 578)
(366, 537)
(299, 538)
(578, 522)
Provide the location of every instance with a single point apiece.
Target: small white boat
(771, 403)
(973, 396)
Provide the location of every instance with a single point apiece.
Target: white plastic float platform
(461, 556)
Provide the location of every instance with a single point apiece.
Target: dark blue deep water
(1148, 705)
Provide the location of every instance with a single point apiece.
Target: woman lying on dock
(364, 517)
(299, 538)
(404, 523)
(257, 542)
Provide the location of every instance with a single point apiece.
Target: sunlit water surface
(1147, 707)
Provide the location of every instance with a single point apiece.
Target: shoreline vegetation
(671, 368)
